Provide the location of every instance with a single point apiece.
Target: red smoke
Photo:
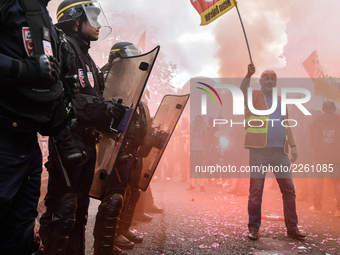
(281, 35)
(264, 22)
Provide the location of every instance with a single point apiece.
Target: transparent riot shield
(164, 123)
(126, 80)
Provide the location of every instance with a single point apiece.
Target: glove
(116, 111)
(71, 84)
(158, 138)
(40, 68)
(106, 115)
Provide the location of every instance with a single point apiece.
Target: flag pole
(244, 32)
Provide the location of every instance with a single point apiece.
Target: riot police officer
(31, 101)
(63, 224)
(110, 207)
(125, 237)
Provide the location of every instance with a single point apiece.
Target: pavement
(215, 222)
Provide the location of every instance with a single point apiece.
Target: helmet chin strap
(83, 18)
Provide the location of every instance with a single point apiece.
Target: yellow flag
(324, 88)
(211, 10)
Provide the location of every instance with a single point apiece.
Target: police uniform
(80, 175)
(110, 207)
(63, 224)
(128, 170)
(20, 119)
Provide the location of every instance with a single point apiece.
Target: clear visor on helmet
(96, 17)
(127, 51)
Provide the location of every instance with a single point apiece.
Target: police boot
(140, 214)
(121, 241)
(153, 209)
(106, 223)
(143, 217)
(57, 223)
(126, 224)
(68, 151)
(117, 251)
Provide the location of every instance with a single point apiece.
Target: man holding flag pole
(210, 10)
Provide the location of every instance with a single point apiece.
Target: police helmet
(70, 10)
(124, 50)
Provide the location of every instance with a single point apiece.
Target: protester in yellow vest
(268, 142)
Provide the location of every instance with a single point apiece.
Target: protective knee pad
(29, 241)
(106, 222)
(63, 219)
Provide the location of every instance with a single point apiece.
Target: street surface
(215, 222)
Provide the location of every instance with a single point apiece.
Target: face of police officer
(268, 82)
(90, 32)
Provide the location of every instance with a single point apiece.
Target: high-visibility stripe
(256, 137)
(257, 118)
(71, 5)
(124, 49)
(257, 130)
(60, 16)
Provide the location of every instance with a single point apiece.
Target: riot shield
(126, 80)
(164, 122)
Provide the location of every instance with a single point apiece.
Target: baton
(118, 176)
(59, 162)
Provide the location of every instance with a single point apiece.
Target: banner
(313, 67)
(212, 9)
(324, 84)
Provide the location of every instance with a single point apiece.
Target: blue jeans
(273, 157)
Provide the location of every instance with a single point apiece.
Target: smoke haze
(281, 35)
